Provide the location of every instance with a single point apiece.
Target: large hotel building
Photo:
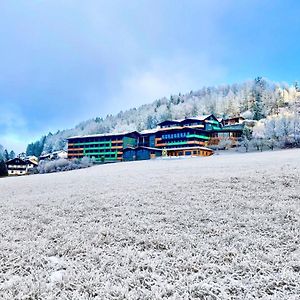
(190, 136)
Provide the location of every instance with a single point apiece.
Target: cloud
(11, 118)
(13, 128)
(12, 142)
(163, 77)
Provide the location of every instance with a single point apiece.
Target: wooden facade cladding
(196, 142)
(193, 151)
(117, 141)
(75, 149)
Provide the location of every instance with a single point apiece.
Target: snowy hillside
(220, 227)
(253, 99)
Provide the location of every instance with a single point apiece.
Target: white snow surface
(219, 227)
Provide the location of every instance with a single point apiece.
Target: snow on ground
(220, 227)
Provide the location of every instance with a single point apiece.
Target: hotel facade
(190, 136)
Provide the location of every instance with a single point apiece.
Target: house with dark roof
(18, 166)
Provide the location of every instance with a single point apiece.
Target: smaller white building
(59, 154)
(54, 155)
(18, 166)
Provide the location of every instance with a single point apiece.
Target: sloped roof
(103, 134)
(180, 128)
(198, 118)
(16, 161)
(237, 127)
(149, 131)
(30, 161)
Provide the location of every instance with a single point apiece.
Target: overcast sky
(62, 62)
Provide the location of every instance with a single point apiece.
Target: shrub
(61, 164)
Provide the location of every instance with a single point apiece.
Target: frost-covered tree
(12, 154)
(245, 139)
(284, 127)
(60, 165)
(282, 130)
(258, 94)
(225, 144)
(5, 155)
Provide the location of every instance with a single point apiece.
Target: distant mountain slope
(254, 99)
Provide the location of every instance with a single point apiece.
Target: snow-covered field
(220, 227)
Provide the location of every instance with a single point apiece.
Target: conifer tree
(258, 105)
(3, 169)
(6, 155)
(12, 154)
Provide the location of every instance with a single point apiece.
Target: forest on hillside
(258, 99)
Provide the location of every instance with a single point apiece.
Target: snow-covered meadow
(220, 227)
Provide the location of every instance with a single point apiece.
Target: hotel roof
(103, 134)
(198, 118)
